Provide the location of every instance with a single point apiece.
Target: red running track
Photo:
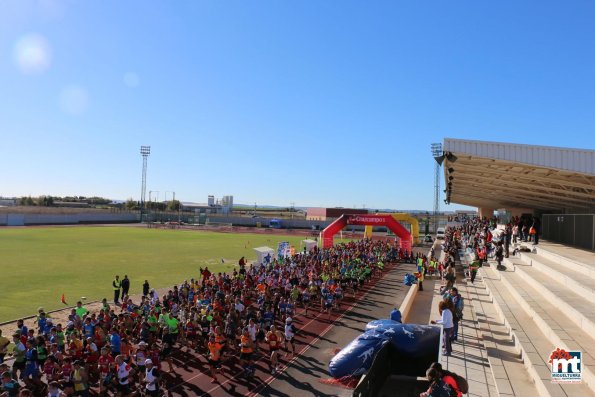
(192, 377)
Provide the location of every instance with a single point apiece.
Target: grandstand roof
(505, 175)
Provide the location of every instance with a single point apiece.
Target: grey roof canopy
(505, 175)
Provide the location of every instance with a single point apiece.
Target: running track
(316, 342)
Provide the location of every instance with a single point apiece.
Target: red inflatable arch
(375, 220)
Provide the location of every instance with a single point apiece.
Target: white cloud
(32, 54)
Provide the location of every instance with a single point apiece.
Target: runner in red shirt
(274, 339)
(104, 363)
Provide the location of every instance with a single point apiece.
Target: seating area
(541, 302)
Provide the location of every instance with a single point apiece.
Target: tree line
(130, 204)
(50, 201)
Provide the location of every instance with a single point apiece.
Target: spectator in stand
(515, 233)
(499, 255)
(507, 235)
(446, 320)
(457, 308)
(437, 386)
(450, 378)
(536, 228)
(474, 267)
(450, 278)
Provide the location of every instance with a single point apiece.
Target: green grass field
(39, 264)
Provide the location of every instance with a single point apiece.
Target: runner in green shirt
(80, 309)
(152, 320)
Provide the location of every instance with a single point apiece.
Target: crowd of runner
(227, 318)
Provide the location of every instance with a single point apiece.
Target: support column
(486, 211)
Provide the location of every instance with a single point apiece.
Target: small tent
(309, 244)
(263, 254)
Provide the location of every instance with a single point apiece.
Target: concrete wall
(65, 219)
(285, 223)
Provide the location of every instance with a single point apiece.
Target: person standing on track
(274, 339)
(125, 285)
(117, 284)
(146, 288)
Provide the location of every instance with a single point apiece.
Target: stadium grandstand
(526, 267)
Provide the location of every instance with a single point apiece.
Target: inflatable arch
(375, 220)
(401, 216)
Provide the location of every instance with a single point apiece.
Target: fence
(27, 219)
(574, 229)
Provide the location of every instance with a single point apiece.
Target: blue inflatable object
(381, 324)
(395, 315)
(356, 358)
(416, 346)
(409, 279)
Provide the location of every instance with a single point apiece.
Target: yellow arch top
(400, 216)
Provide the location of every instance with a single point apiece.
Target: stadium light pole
(438, 156)
(144, 151)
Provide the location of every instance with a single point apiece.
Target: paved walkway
(469, 358)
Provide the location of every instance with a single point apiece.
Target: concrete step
(570, 301)
(510, 376)
(575, 260)
(574, 278)
(552, 321)
(572, 254)
(529, 339)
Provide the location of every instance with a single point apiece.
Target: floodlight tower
(144, 151)
(436, 153)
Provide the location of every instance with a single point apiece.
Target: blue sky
(319, 102)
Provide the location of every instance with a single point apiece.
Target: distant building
(203, 208)
(323, 214)
(8, 202)
(212, 206)
(227, 204)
